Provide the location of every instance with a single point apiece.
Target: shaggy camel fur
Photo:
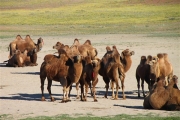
(161, 67)
(174, 100)
(89, 74)
(143, 73)
(113, 67)
(159, 96)
(73, 68)
(19, 59)
(26, 44)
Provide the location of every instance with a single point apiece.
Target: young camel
(113, 67)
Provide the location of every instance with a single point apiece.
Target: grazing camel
(161, 67)
(89, 74)
(113, 67)
(174, 100)
(143, 73)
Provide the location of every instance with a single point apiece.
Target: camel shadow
(132, 107)
(129, 94)
(30, 97)
(29, 73)
(3, 65)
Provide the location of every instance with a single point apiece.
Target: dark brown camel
(143, 73)
(113, 67)
(72, 68)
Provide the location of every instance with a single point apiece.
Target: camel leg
(117, 88)
(82, 91)
(138, 84)
(63, 82)
(166, 81)
(122, 77)
(112, 87)
(86, 91)
(49, 89)
(42, 89)
(107, 86)
(142, 86)
(77, 89)
(90, 88)
(94, 91)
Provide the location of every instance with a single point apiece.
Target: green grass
(91, 117)
(87, 17)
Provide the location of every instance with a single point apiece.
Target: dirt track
(20, 92)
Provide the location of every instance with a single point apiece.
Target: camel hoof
(95, 100)
(68, 100)
(43, 99)
(63, 101)
(77, 97)
(52, 99)
(124, 97)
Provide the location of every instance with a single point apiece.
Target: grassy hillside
(89, 16)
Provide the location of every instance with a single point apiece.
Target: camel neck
(127, 63)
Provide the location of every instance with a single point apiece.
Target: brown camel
(89, 74)
(19, 59)
(159, 96)
(143, 73)
(161, 67)
(174, 100)
(86, 48)
(26, 44)
(72, 67)
(113, 67)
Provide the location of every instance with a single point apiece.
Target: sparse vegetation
(88, 17)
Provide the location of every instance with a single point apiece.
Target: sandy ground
(20, 92)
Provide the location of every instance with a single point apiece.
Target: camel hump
(76, 42)
(87, 42)
(18, 37)
(108, 48)
(160, 55)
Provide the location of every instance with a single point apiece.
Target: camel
(113, 67)
(174, 100)
(19, 59)
(72, 68)
(26, 44)
(89, 74)
(143, 73)
(159, 96)
(161, 67)
(86, 48)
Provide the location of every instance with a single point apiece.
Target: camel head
(154, 68)
(149, 58)
(143, 60)
(58, 45)
(39, 44)
(175, 79)
(126, 53)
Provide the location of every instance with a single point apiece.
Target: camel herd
(79, 64)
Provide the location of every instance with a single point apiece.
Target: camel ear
(132, 53)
